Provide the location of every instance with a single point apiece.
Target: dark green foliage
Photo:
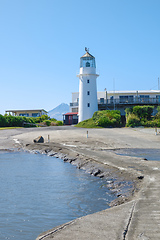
(53, 119)
(158, 108)
(47, 122)
(141, 116)
(3, 121)
(143, 112)
(128, 111)
(59, 123)
(104, 118)
(132, 120)
(107, 118)
(153, 123)
(11, 121)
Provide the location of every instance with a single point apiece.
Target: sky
(41, 42)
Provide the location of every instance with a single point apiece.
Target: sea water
(148, 153)
(38, 192)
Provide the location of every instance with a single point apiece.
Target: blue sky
(42, 41)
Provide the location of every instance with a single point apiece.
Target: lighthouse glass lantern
(87, 62)
(87, 87)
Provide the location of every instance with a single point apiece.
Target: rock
(101, 176)
(47, 150)
(119, 195)
(145, 159)
(140, 177)
(39, 139)
(96, 172)
(65, 159)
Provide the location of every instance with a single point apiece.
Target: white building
(27, 113)
(87, 87)
(120, 100)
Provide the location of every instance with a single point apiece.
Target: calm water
(39, 192)
(150, 154)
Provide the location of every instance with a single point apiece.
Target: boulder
(39, 139)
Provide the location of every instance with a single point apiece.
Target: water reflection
(40, 192)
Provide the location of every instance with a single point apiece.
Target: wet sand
(139, 215)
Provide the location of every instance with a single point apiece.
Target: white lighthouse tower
(87, 87)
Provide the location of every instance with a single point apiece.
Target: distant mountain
(58, 111)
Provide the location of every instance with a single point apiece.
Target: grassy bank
(101, 119)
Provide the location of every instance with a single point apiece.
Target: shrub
(143, 112)
(132, 120)
(44, 117)
(107, 118)
(53, 119)
(104, 118)
(59, 123)
(153, 123)
(47, 122)
(128, 111)
(3, 122)
(54, 124)
(158, 108)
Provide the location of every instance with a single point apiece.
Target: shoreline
(126, 221)
(121, 184)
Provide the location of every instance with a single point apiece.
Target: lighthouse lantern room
(87, 87)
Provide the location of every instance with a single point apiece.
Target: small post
(155, 131)
(87, 134)
(48, 139)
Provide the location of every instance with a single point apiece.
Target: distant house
(70, 118)
(27, 113)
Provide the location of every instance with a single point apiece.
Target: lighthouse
(87, 87)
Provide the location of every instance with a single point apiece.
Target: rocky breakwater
(123, 186)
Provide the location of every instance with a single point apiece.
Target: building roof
(87, 54)
(133, 91)
(71, 113)
(29, 110)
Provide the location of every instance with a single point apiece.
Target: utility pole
(106, 97)
(114, 100)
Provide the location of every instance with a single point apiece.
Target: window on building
(88, 104)
(144, 98)
(35, 115)
(111, 99)
(87, 64)
(126, 99)
(24, 114)
(74, 109)
(101, 100)
(87, 80)
(85, 60)
(88, 92)
(158, 98)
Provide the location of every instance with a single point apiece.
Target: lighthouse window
(88, 81)
(88, 92)
(87, 64)
(88, 104)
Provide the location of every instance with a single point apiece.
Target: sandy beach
(135, 214)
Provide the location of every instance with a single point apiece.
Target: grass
(4, 128)
(100, 119)
(89, 123)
